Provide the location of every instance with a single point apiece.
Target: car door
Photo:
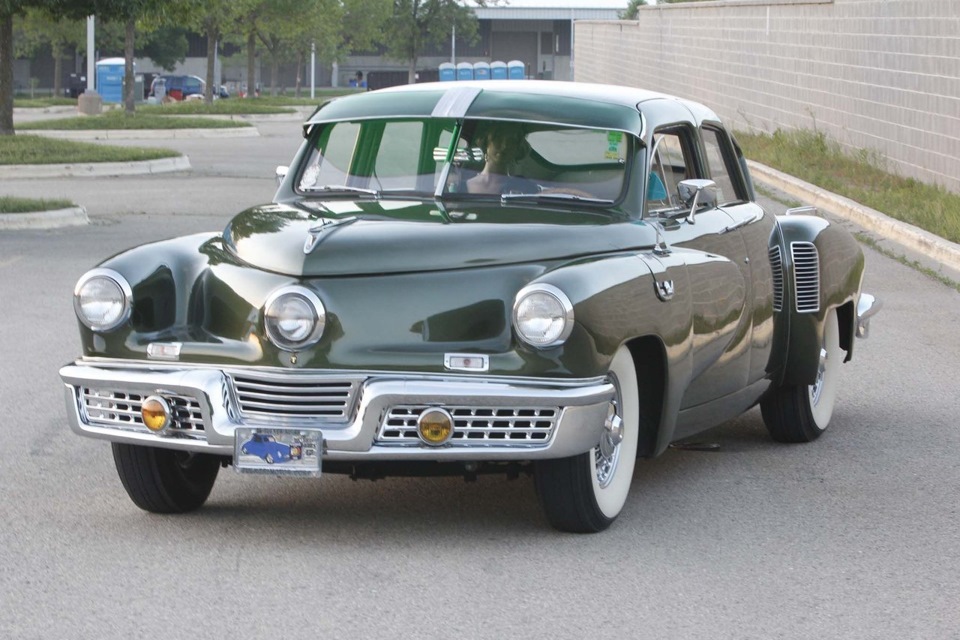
(720, 327)
(755, 227)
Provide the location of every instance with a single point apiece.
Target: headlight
(102, 299)
(543, 316)
(294, 317)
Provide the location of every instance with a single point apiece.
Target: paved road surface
(854, 536)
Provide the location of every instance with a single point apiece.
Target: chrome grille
(806, 276)
(475, 426)
(299, 398)
(118, 409)
(776, 265)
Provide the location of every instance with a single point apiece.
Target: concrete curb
(71, 217)
(142, 134)
(23, 111)
(163, 165)
(911, 237)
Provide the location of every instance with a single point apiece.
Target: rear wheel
(800, 413)
(163, 480)
(585, 493)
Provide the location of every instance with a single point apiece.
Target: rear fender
(822, 268)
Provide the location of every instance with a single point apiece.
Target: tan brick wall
(872, 74)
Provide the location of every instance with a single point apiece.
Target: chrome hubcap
(816, 389)
(608, 450)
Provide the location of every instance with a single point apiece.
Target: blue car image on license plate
(278, 451)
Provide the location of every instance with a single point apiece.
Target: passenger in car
(503, 146)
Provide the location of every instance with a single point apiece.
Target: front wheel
(163, 480)
(585, 493)
(800, 413)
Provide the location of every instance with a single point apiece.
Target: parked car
(181, 87)
(550, 278)
(266, 447)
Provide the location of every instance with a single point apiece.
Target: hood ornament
(316, 234)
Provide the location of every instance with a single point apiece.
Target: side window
(671, 161)
(721, 164)
(332, 165)
(396, 163)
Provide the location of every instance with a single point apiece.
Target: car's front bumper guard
(583, 409)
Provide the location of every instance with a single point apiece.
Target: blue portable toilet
(516, 70)
(448, 72)
(110, 79)
(464, 71)
(498, 70)
(481, 71)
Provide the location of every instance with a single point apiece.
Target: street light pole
(91, 63)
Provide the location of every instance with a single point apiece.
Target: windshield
(467, 159)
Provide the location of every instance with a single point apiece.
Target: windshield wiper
(554, 196)
(341, 188)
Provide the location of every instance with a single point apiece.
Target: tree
(417, 24)
(38, 29)
(288, 29)
(632, 11)
(8, 9)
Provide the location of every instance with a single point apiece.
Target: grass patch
(29, 205)
(41, 150)
(37, 103)
(228, 107)
(117, 120)
(863, 176)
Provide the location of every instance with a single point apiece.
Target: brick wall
(872, 74)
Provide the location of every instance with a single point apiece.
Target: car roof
(573, 103)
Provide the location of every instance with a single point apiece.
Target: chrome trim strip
(455, 102)
(146, 365)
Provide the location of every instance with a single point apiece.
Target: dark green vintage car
(460, 278)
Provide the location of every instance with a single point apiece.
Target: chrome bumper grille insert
(475, 426)
(295, 398)
(117, 409)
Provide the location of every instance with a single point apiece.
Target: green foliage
(632, 11)
(40, 150)
(166, 46)
(417, 24)
(29, 205)
(863, 176)
(218, 107)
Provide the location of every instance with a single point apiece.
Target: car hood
(337, 237)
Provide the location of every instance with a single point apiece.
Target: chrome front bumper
(102, 399)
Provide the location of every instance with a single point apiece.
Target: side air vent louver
(776, 265)
(806, 276)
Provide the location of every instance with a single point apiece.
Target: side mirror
(697, 193)
(281, 174)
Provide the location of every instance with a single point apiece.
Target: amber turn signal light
(435, 426)
(156, 413)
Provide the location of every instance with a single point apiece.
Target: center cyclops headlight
(543, 316)
(102, 299)
(294, 317)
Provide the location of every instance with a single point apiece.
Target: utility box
(448, 72)
(110, 79)
(481, 71)
(464, 71)
(516, 70)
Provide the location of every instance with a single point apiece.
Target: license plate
(278, 451)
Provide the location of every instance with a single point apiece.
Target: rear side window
(721, 163)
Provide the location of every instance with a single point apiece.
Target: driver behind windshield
(503, 145)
